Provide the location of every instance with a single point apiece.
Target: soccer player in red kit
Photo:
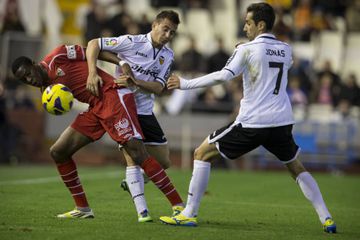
(111, 110)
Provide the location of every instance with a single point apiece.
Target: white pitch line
(30, 181)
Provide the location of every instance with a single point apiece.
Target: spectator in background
(119, 22)
(302, 20)
(350, 91)
(296, 94)
(352, 16)
(12, 21)
(333, 7)
(323, 91)
(132, 28)
(217, 60)
(301, 69)
(192, 61)
(144, 24)
(320, 21)
(281, 30)
(96, 21)
(335, 80)
(342, 110)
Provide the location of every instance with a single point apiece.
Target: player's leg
(311, 190)
(137, 151)
(66, 145)
(281, 143)
(230, 142)
(154, 140)
(200, 177)
(198, 184)
(134, 184)
(123, 126)
(161, 153)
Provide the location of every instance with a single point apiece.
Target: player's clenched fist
(173, 82)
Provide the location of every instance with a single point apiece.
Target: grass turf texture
(238, 205)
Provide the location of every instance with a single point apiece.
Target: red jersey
(67, 64)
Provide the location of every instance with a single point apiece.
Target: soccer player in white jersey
(265, 117)
(144, 62)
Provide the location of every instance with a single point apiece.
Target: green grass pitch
(238, 205)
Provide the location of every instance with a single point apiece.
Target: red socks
(69, 175)
(159, 177)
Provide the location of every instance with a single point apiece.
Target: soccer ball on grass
(57, 99)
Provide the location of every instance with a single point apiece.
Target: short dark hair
(20, 61)
(263, 12)
(168, 14)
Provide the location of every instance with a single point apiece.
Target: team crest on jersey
(161, 60)
(60, 72)
(111, 42)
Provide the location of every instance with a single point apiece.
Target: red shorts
(115, 114)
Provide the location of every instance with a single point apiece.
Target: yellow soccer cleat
(179, 220)
(77, 214)
(177, 210)
(144, 217)
(329, 225)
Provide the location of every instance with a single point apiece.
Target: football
(57, 99)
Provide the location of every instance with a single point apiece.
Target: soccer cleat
(77, 214)
(179, 220)
(329, 225)
(177, 210)
(144, 217)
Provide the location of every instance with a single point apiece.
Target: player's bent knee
(57, 154)
(136, 151)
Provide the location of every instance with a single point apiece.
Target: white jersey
(146, 62)
(264, 63)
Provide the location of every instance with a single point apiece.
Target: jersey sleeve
(237, 61)
(117, 44)
(64, 53)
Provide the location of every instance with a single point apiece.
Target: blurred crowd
(297, 20)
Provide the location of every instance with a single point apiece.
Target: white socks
(197, 187)
(312, 192)
(135, 181)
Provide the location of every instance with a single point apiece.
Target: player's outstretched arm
(210, 79)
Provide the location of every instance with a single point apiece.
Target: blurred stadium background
(323, 83)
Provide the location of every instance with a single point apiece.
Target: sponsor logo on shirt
(141, 54)
(60, 72)
(111, 42)
(152, 72)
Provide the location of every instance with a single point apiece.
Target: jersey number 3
(278, 65)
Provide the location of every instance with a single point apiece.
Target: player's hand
(173, 82)
(124, 81)
(93, 83)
